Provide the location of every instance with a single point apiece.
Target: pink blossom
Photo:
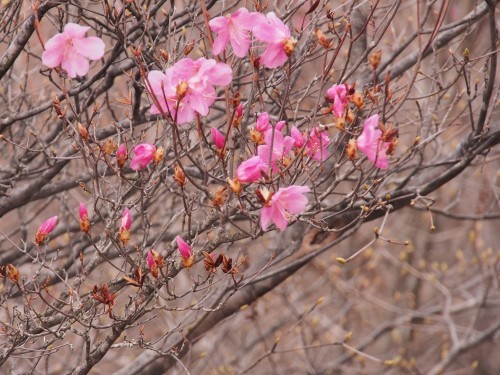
(317, 144)
(370, 143)
(262, 123)
(218, 138)
(72, 50)
(48, 226)
(337, 94)
(284, 203)
(126, 220)
(298, 138)
(281, 148)
(83, 212)
(144, 153)
(250, 170)
(121, 155)
(183, 247)
(276, 34)
(187, 87)
(233, 28)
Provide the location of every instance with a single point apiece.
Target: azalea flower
(317, 144)
(144, 154)
(371, 144)
(45, 229)
(71, 50)
(281, 148)
(282, 205)
(187, 87)
(233, 28)
(250, 170)
(280, 44)
(337, 94)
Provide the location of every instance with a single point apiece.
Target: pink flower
(262, 123)
(284, 203)
(281, 148)
(298, 138)
(45, 229)
(144, 153)
(276, 34)
(218, 138)
(184, 249)
(126, 220)
(250, 170)
(317, 144)
(187, 87)
(371, 145)
(121, 155)
(337, 94)
(234, 28)
(72, 50)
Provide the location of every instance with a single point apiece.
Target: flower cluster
(187, 88)
(268, 29)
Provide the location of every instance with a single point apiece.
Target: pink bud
(218, 138)
(280, 125)
(183, 247)
(121, 155)
(150, 259)
(239, 110)
(262, 122)
(83, 212)
(126, 220)
(48, 226)
(44, 230)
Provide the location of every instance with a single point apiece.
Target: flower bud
(110, 146)
(121, 155)
(125, 223)
(84, 133)
(179, 175)
(181, 90)
(375, 58)
(357, 99)
(84, 219)
(45, 229)
(158, 155)
(322, 39)
(12, 273)
(235, 186)
(351, 149)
